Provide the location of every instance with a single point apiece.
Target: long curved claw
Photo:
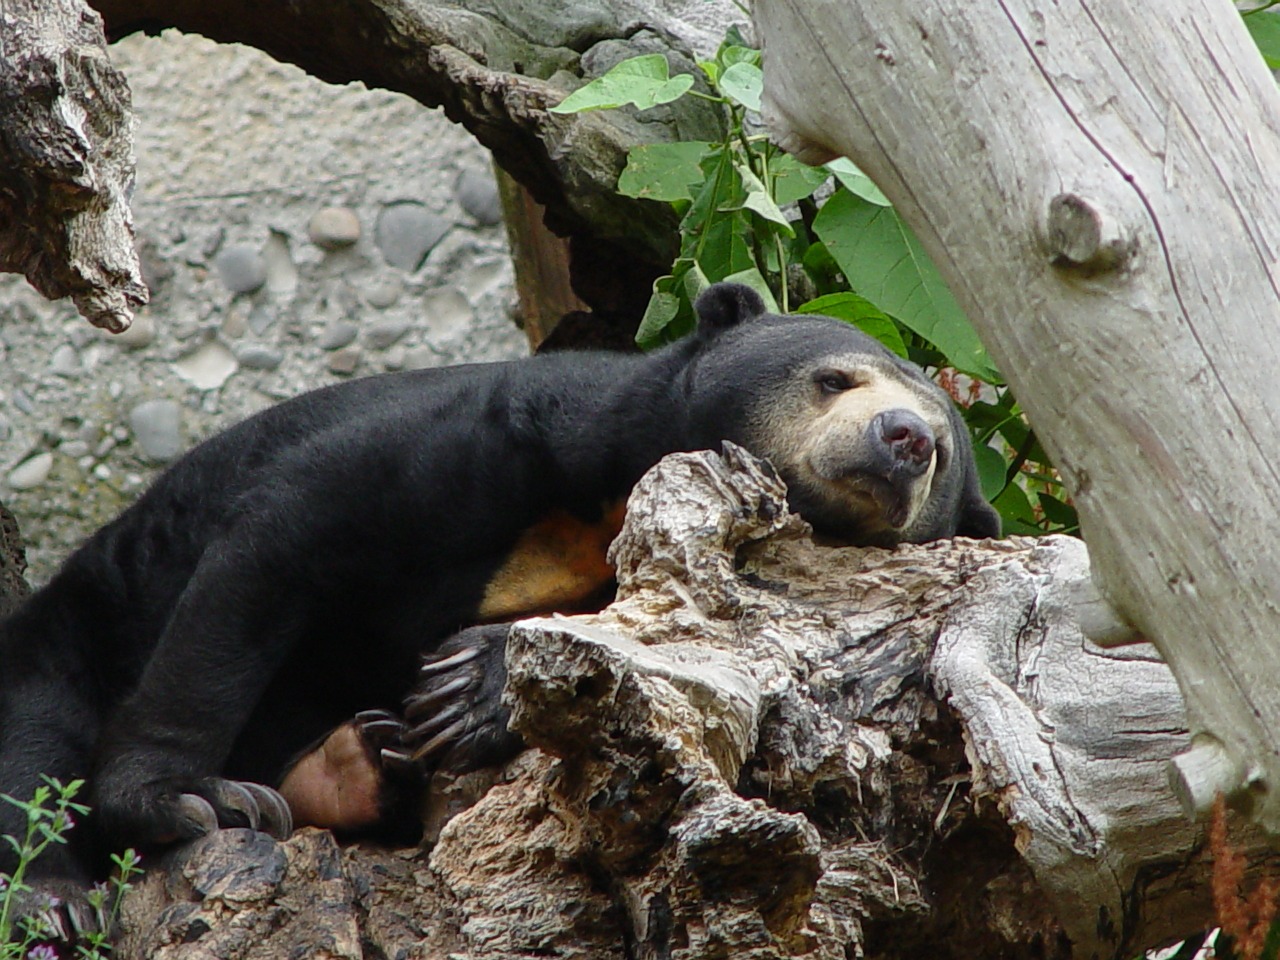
(275, 817)
(431, 667)
(421, 703)
(197, 816)
(235, 797)
(441, 739)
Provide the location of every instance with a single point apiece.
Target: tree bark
(66, 161)
(768, 748)
(13, 564)
(1097, 187)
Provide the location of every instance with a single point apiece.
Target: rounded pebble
(207, 367)
(31, 472)
(257, 357)
(344, 362)
(140, 333)
(157, 427)
(385, 333)
(66, 361)
(282, 273)
(406, 232)
(333, 228)
(477, 193)
(75, 449)
(384, 293)
(241, 268)
(337, 335)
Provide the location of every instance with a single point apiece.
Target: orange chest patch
(556, 565)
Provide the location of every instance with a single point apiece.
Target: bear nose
(909, 439)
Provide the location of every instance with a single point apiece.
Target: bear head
(872, 451)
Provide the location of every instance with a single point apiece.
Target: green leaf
(793, 180)
(642, 81)
(885, 263)
(743, 83)
(758, 200)
(1015, 511)
(991, 469)
(863, 314)
(1063, 514)
(857, 182)
(663, 171)
(663, 307)
(731, 53)
(1264, 27)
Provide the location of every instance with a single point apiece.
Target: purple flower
(4, 882)
(42, 952)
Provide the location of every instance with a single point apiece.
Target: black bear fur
(292, 571)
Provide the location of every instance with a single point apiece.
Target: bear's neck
(624, 414)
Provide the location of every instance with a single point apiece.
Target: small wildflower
(4, 882)
(42, 952)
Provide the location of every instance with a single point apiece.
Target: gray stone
(6, 427)
(338, 334)
(394, 359)
(66, 361)
(31, 472)
(23, 402)
(261, 318)
(254, 356)
(140, 333)
(157, 428)
(385, 292)
(419, 358)
(477, 193)
(207, 367)
(282, 273)
(406, 232)
(333, 228)
(344, 362)
(384, 333)
(235, 324)
(75, 449)
(241, 268)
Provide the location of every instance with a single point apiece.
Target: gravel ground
(293, 234)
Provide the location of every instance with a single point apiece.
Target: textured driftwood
(767, 748)
(13, 564)
(66, 161)
(495, 68)
(1098, 188)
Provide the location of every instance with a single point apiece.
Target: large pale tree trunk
(1096, 182)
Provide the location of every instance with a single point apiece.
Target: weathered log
(1097, 188)
(13, 564)
(66, 161)
(768, 747)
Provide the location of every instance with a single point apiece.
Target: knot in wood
(1083, 238)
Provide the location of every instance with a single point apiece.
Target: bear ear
(725, 305)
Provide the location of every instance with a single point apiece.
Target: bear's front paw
(160, 812)
(455, 715)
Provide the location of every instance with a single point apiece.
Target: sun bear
(290, 573)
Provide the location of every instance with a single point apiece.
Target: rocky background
(292, 233)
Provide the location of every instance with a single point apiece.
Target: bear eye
(833, 381)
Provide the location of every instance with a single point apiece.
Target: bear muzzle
(888, 468)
